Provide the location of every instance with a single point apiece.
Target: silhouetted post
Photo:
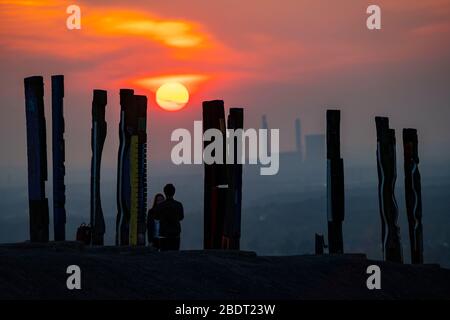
(319, 244)
(413, 194)
(335, 183)
(215, 184)
(232, 225)
(387, 176)
(298, 139)
(37, 158)
(127, 102)
(59, 170)
(138, 171)
(98, 136)
(142, 133)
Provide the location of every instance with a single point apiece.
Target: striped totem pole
(138, 172)
(132, 170)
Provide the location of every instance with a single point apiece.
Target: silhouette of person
(169, 213)
(152, 224)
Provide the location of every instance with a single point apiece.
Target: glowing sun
(172, 96)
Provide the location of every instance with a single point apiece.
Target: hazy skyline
(285, 59)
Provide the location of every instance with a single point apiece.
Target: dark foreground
(39, 272)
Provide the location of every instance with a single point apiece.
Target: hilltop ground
(38, 271)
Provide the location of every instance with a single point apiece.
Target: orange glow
(25, 26)
(153, 83)
(125, 43)
(148, 44)
(30, 3)
(172, 33)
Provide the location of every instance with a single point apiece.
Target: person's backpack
(84, 234)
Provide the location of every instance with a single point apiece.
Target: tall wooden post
(127, 103)
(59, 170)
(413, 194)
(37, 158)
(215, 184)
(232, 225)
(98, 136)
(387, 176)
(335, 183)
(298, 139)
(138, 171)
(142, 165)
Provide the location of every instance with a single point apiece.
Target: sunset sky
(286, 59)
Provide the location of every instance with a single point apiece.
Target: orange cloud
(191, 81)
(122, 22)
(31, 3)
(114, 44)
(39, 26)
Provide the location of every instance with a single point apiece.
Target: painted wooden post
(335, 183)
(98, 136)
(58, 152)
(138, 172)
(127, 102)
(298, 139)
(232, 225)
(37, 158)
(413, 194)
(215, 183)
(387, 176)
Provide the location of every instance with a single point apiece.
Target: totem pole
(127, 102)
(413, 194)
(132, 170)
(98, 136)
(387, 176)
(138, 171)
(298, 139)
(215, 184)
(59, 170)
(37, 158)
(232, 224)
(335, 183)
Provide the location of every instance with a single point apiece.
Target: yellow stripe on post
(134, 183)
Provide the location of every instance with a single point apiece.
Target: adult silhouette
(169, 213)
(152, 224)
